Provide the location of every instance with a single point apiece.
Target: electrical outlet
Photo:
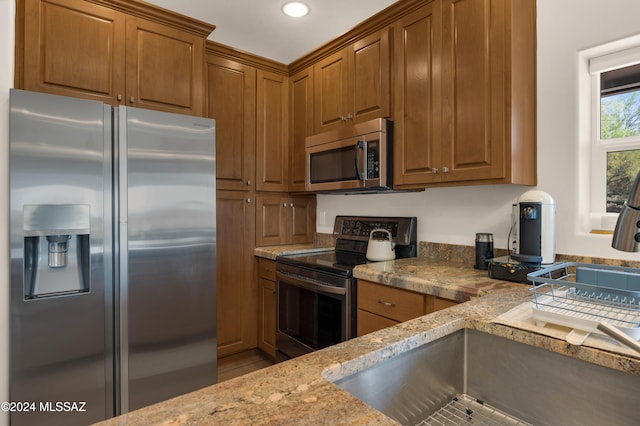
(322, 218)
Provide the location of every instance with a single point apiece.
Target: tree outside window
(620, 118)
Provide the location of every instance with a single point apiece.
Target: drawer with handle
(393, 303)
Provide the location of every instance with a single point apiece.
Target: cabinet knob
(248, 200)
(132, 99)
(445, 170)
(119, 97)
(248, 183)
(349, 116)
(343, 118)
(285, 205)
(434, 170)
(291, 205)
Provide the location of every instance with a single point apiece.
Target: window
(615, 131)
(620, 120)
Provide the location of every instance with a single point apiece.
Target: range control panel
(403, 229)
(358, 227)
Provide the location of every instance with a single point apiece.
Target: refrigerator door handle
(123, 261)
(122, 166)
(123, 353)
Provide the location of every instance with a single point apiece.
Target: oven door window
(314, 319)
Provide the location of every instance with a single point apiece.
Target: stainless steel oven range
(316, 292)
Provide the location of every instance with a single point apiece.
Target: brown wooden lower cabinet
(381, 306)
(267, 307)
(236, 289)
(368, 322)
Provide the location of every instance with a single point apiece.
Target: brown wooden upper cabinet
(90, 50)
(301, 126)
(285, 219)
(353, 84)
(231, 101)
(417, 113)
(468, 114)
(272, 132)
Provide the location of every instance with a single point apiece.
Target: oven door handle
(308, 284)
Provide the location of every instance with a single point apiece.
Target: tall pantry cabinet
(249, 98)
(231, 92)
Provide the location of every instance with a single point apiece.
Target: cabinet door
(368, 322)
(331, 90)
(285, 220)
(74, 48)
(270, 220)
(236, 291)
(434, 304)
(473, 76)
(417, 123)
(164, 68)
(272, 162)
(369, 82)
(231, 94)
(301, 125)
(267, 313)
(301, 220)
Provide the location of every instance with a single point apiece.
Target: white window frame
(595, 61)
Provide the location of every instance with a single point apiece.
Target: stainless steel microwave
(355, 158)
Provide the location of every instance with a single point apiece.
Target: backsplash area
(466, 254)
(451, 253)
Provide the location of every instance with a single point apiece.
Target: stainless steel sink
(507, 381)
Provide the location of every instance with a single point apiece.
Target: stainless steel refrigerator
(113, 258)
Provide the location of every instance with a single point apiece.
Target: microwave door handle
(360, 146)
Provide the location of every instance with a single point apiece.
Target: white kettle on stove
(379, 250)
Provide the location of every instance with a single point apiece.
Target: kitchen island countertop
(300, 391)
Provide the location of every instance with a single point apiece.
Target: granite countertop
(449, 280)
(300, 391)
(271, 252)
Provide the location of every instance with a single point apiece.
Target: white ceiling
(260, 27)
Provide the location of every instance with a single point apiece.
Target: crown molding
(157, 14)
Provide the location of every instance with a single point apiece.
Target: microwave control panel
(373, 159)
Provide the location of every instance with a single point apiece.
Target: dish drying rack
(581, 301)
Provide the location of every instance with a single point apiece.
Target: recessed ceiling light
(295, 9)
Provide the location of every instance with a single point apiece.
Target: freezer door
(61, 294)
(167, 255)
